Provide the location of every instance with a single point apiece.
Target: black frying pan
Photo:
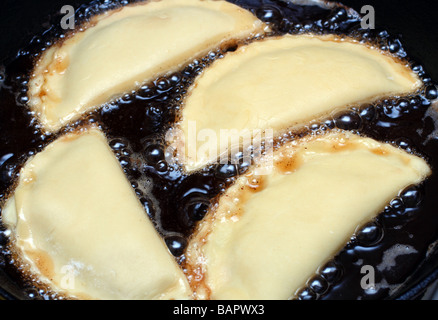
(413, 20)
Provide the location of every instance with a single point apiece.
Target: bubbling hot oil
(136, 125)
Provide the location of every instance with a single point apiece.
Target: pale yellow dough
(124, 48)
(77, 223)
(267, 235)
(281, 83)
